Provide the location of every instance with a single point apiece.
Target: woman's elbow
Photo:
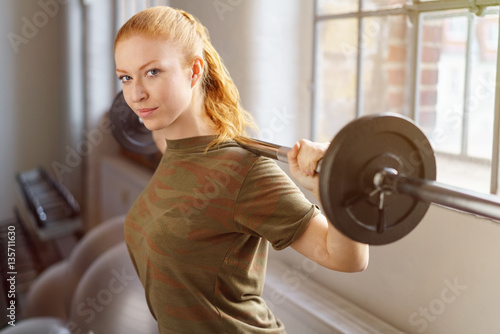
(360, 265)
(354, 262)
(361, 259)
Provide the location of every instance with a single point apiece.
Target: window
(433, 61)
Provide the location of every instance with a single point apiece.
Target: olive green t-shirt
(198, 236)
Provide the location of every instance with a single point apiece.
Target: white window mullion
(415, 66)
(467, 85)
(359, 67)
(314, 88)
(495, 157)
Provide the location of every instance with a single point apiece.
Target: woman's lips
(145, 112)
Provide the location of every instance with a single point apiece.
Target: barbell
(377, 177)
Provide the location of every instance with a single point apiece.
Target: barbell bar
(446, 195)
(377, 179)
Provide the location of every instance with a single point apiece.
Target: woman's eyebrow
(142, 67)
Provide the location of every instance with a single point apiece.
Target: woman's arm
(321, 241)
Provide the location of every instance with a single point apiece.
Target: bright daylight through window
(433, 61)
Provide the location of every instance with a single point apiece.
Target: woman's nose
(139, 93)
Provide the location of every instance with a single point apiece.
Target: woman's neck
(192, 124)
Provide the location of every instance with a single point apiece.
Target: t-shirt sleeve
(270, 205)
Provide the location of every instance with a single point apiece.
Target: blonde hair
(221, 97)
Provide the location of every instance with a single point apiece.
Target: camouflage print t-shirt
(198, 236)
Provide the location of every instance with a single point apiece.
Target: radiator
(306, 307)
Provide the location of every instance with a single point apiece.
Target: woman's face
(157, 83)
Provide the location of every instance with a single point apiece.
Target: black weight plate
(358, 151)
(127, 129)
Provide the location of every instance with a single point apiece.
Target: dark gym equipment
(128, 130)
(361, 209)
(46, 206)
(377, 179)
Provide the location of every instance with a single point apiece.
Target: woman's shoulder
(246, 160)
(240, 152)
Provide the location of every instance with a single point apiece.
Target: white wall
(30, 92)
(441, 278)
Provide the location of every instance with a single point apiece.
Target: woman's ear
(197, 71)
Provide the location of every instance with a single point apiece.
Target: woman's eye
(125, 78)
(152, 73)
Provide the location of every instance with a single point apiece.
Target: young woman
(198, 235)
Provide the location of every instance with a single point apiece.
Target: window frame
(414, 11)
